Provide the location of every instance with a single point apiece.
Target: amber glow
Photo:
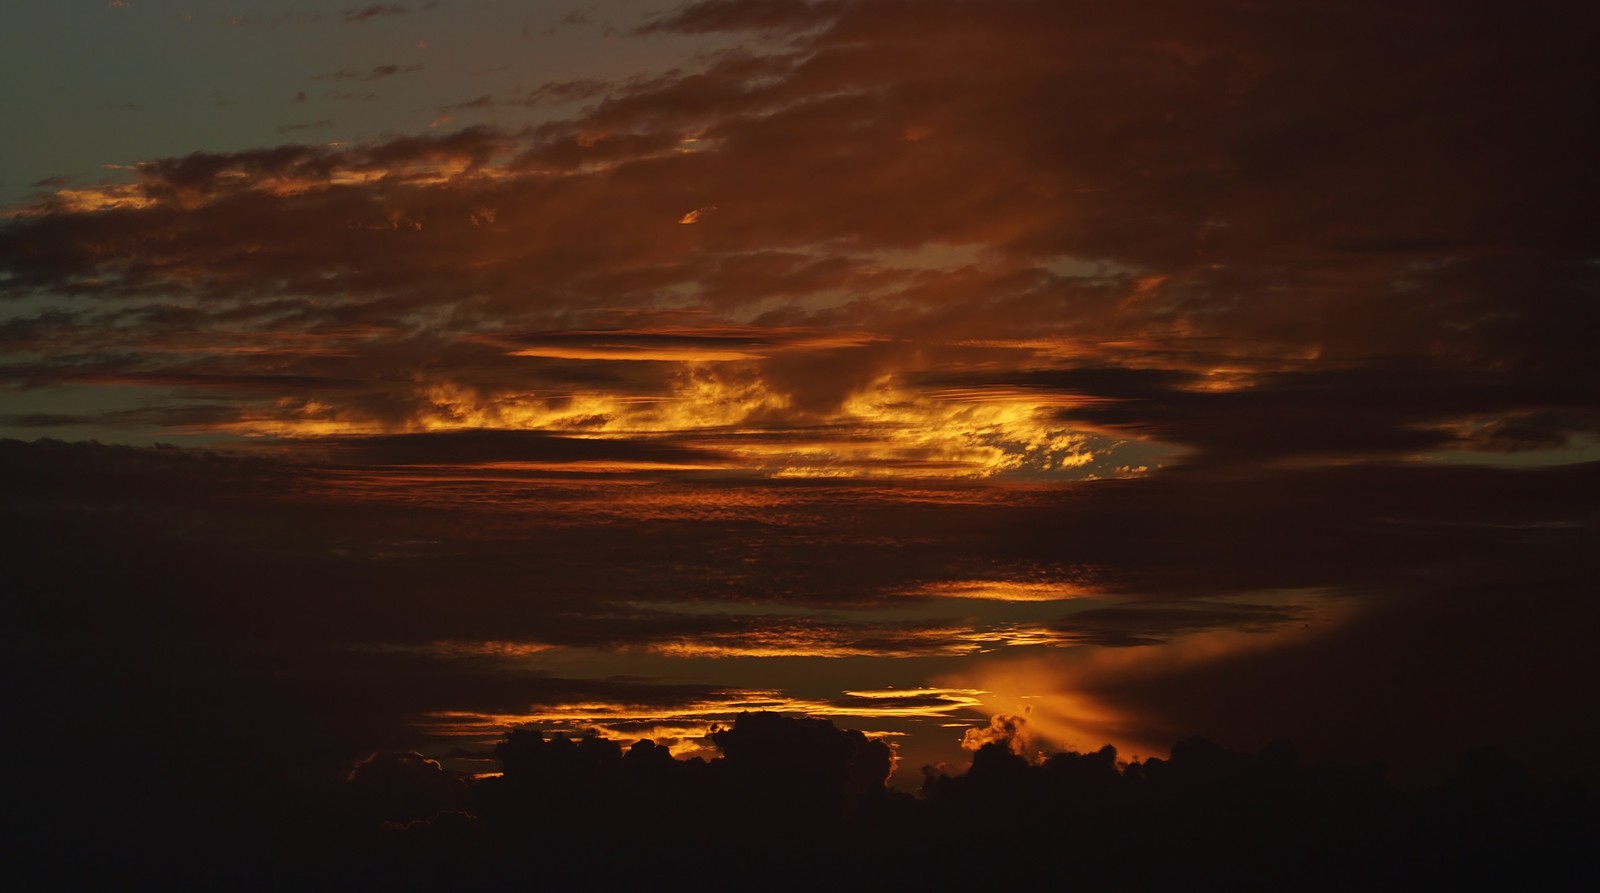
(684, 725)
(812, 642)
(1004, 590)
(1055, 693)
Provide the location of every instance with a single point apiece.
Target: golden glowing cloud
(1003, 590)
(655, 354)
(808, 641)
(922, 703)
(882, 430)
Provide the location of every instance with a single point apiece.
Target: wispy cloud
(368, 13)
(375, 73)
(306, 125)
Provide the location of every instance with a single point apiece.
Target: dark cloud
(407, 786)
(1385, 410)
(1204, 811)
(485, 446)
(368, 13)
(305, 125)
(1438, 670)
(566, 91)
(556, 93)
(377, 72)
(1152, 624)
(482, 102)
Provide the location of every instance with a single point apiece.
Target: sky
(385, 377)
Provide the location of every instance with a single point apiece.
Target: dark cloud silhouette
(1203, 812)
(486, 446)
(406, 786)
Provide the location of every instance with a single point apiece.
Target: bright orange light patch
(1003, 590)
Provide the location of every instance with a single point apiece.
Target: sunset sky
(1142, 369)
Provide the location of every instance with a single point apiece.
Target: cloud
(809, 758)
(368, 13)
(407, 786)
(690, 344)
(482, 447)
(1007, 731)
(376, 73)
(306, 125)
(1169, 244)
(1150, 624)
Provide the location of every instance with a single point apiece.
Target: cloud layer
(1158, 217)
